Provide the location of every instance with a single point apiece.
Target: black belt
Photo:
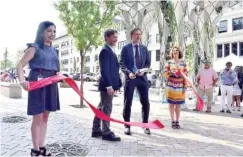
(44, 70)
(228, 85)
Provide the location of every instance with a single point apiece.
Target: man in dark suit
(109, 82)
(135, 56)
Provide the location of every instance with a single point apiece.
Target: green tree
(86, 21)
(6, 64)
(189, 57)
(19, 55)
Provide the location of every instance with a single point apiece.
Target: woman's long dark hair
(40, 32)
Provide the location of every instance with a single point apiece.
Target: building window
(219, 51)
(87, 59)
(71, 60)
(234, 48)
(65, 52)
(96, 57)
(62, 44)
(241, 48)
(66, 43)
(226, 50)
(157, 55)
(222, 26)
(77, 59)
(65, 61)
(237, 24)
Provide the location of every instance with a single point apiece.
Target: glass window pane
(226, 50)
(237, 24)
(222, 26)
(219, 51)
(157, 55)
(241, 48)
(234, 48)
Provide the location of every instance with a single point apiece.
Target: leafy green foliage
(6, 64)
(189, 57)
(85, 21)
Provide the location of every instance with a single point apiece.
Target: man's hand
(132, 76)
(110, 91)
(140, 73)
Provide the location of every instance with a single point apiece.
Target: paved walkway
(201, 134)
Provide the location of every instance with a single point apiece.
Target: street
(201, 134)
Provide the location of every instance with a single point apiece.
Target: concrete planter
(11, 90)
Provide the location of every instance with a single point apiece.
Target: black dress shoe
(127, 131)
(147, 131)
(228, 111)
(111, 137)
(222, 111)
(242, 115)
(96, 134)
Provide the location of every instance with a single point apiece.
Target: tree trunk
(82, 81)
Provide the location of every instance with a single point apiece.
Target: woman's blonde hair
(180, 52)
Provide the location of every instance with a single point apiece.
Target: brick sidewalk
(201, 134)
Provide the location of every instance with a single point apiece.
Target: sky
(20, 20)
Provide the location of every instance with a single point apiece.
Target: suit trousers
(142, 88)
(105, 106)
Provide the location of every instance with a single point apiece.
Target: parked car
(90, 77)
(151, 79)
(76, 76)
(65, 73)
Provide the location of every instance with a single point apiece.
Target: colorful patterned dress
(175, 89)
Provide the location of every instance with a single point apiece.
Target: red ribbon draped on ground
(47, 81)
(200, 102)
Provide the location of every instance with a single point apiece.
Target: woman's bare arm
(29, 54)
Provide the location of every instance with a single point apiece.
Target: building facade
(229, 37)
(70, 58)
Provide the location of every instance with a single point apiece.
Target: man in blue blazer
(109, 82)
(135, 56)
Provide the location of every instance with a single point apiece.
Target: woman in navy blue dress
(43, 62)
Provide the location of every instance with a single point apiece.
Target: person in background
(206, 79)
(237, 90)
(228, 76)
(240, 77)
(176, 85)
(44, 62)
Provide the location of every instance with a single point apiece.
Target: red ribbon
(200, 102)
(47, 81)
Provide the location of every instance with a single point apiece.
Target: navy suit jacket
(109, 70)
(127, 59)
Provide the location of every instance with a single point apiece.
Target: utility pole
(5, 57)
